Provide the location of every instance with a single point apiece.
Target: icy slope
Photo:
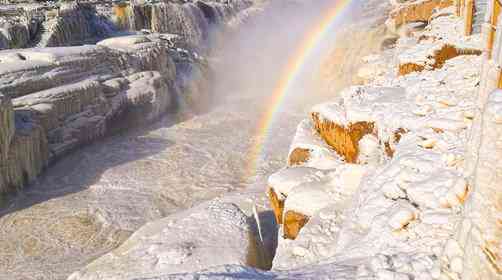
(403, 216)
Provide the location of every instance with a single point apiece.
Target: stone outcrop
(343, 126)
(409, 135)
(211, 234)
(193, 21)
(73, 24)
(281, 183)
(345, 140)
(23, 151)
(7, 127)
(310, 150)
(14, 35)
(415, 10)
(77, 23)
(430, 57)
(63, 98)
(66, 97)
(293, 223)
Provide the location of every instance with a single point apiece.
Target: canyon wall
(72, 24)
(57, 99)
(439, 176)
(75, 23)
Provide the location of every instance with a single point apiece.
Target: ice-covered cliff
(76, 23)
(58, 99)
(423, 130)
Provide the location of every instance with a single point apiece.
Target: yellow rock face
(344, 140)
(120, 12)
(277, 205)
(439, 56)
(407, 68)
(299, 156)
(417, 11)
(293, 223)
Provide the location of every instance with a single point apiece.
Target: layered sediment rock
(439, 42)
(71, 96)
(415, 11)
(78, 23)
(193, 21)
(7, 127)
(281, 183)
(14, 35)
(431, 57)
(343, 126)
(73, 24)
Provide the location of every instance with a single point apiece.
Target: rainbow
(293, 69)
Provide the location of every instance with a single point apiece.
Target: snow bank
(399, 211)
(413, 11)
(208, 235)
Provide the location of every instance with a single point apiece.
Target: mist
(250, 61)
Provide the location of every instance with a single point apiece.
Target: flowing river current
(92, 200)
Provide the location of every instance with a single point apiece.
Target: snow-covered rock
(211, 234)
(414, 11)
(408, 133)
(74, 95)
(308, 150)
(281, 183)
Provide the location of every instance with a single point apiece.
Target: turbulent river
(91, 201)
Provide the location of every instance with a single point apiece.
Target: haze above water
(92, 200)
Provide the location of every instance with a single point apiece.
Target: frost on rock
(7, 127)
(208, 235)
(309, 150)
(363, 112)
(414, 11)
(71, 23)
(400, 141)
(69, 96)
(440, 41)
(23, 150)
(281, 183)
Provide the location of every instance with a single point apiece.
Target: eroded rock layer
(66, 24)
(62, 98)
(415, 11)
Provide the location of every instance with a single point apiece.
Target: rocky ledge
(55, 100)
(396, 176)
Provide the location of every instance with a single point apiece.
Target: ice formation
(416, 212)
(65, 97)
(211, 234)
(396, 178)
